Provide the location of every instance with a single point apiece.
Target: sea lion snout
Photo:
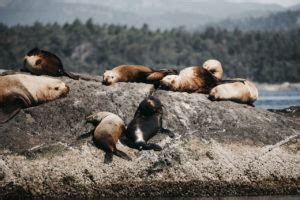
(150, 103)
(67, 90)
(164, 86)
(105, 82)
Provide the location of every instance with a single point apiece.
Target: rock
(292, 111)
(221, 148)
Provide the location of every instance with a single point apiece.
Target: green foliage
(272, 56)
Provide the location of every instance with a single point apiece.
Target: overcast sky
(281, 2)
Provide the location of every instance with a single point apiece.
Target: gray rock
(221, 148)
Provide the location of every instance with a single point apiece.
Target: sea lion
(242, 92)
(21, 91)
(146, 123)
(191, 79)
(215, 67)
(109, 128)
(41, 62)
(134, 73)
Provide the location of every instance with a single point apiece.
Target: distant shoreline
(286, 86)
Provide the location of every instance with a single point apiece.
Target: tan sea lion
(241, 92)
(109, 128)
(134, 73)
(21, 91)
(41, 62)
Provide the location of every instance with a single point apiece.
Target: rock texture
(221, 148)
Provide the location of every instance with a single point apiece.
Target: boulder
(220, 148)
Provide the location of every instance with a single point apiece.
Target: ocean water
(245, 198)
(278, 99)
(287, 197)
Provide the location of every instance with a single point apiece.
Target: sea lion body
(242, 92)
(191, 79)
(110, 128)
(21, 91)
(40, 62)
(146, 123)
(134, 73)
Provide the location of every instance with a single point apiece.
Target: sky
(280, 2)
(285, 3)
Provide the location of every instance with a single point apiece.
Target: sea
(278, 99)
(244, 198)
(287, 197)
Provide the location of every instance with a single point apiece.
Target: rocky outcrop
(221, 148)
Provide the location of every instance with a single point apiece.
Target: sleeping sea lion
(242, 92)
(191, 79)
(146, 123)
(134, 73)
(197, 79)
(21, 91)
(41, 62)
(109, 128)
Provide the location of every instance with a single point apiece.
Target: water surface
(278, 99)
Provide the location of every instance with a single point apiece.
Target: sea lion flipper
(10, 72)
(157, 75)
(154, 76)
(146, 146)
(8, 111)
(24, 70)
(14, 104)
(231, 81)
(168, 71)
(155, 147)
(167, 132)
(71, 75)
(121, 154)
(85, 135)
(108, 158)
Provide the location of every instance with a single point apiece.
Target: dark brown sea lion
(191, 79)
(146, 123)
(197, 78)
(41, 62)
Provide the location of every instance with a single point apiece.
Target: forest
(262, 56)
(275, 21)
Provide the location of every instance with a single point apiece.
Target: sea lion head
(214, 94)
(52, 89)
(150, 106)
(215, 67)
(96, 118)
(170, 82)
(110, 77)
